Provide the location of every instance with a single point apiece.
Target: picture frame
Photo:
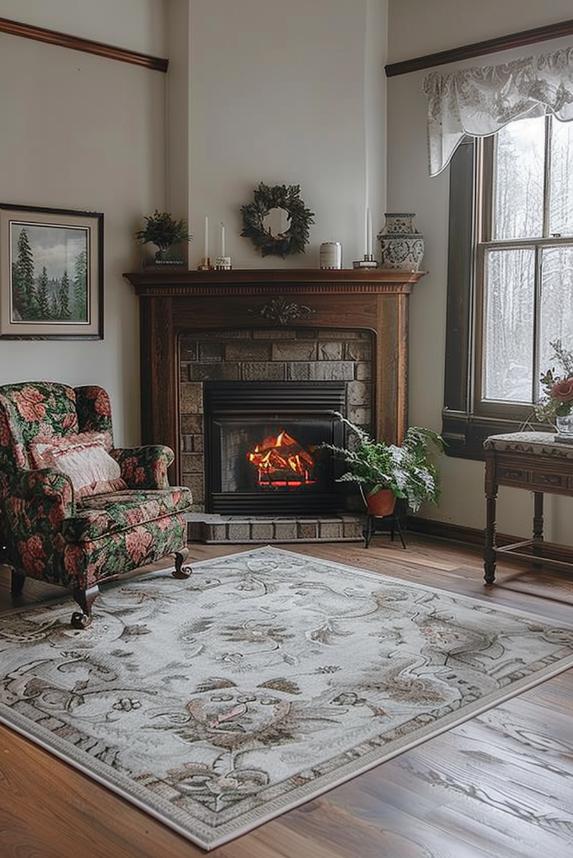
(51, 274)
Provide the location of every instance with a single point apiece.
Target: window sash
(484, 179)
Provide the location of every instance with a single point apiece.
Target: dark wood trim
(474, 536)
(459, 307)
(477, 49)
(262, 281)
(87, 46)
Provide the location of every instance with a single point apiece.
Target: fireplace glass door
(265, 450)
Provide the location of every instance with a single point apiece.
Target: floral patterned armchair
(47, 532)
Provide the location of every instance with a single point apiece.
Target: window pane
(556, 302)
(561, 202)
(519, 176)
(509, 315)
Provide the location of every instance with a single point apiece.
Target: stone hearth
(242, 529)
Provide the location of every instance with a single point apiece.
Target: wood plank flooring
(498, 786)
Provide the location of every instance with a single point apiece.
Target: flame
(281, 461)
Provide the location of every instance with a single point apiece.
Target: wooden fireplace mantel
(175, 301)
(255, 281)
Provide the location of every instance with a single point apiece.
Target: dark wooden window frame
(468, 418)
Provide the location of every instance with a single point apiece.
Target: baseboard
(474, 536)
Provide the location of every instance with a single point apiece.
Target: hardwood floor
(498, 786)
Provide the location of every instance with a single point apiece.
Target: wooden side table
(525, 460)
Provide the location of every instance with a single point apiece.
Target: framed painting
(51, 274)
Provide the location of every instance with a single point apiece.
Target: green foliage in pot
(164, 231)
(408, 471)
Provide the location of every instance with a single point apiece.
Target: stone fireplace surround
(283, 324)
(255, 354)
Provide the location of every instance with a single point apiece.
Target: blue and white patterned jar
(401, 243)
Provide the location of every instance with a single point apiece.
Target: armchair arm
(45, 485)
(145, 467)
(35, 506)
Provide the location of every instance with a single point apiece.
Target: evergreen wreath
(286, 197)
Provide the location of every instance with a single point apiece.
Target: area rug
(266, 678)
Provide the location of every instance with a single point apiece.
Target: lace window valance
(480, 101)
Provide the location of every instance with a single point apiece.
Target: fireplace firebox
(264, 448)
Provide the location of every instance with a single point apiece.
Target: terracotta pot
(381, 503)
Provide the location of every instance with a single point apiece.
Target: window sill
(465, 433)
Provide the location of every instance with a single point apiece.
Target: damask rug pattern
(266, 678)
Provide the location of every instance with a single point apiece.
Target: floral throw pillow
(83, 458)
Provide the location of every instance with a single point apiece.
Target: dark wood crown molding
(477, 49)
(76, 43)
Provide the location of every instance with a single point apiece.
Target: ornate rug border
(202, 835)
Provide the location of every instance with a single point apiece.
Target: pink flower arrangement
(563, 390)
(557, 387)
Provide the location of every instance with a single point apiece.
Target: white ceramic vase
(401, 243)
(565, 429)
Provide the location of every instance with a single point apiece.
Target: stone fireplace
(296, 378)
(242, 371)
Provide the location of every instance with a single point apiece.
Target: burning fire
(281, 461)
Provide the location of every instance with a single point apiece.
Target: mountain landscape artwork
(49, 273)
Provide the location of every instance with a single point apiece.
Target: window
(516, 295)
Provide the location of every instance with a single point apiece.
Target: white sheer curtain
(479, 101)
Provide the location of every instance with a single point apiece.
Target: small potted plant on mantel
(385, 472)
(162, 230)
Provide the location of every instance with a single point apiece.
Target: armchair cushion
(145, 467)
(102, 515)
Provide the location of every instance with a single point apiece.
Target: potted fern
(162, 230)
(385, 472)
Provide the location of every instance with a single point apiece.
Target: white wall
(84, 132)
(135, 24)
(420, 27)
(277, 94)
(411, 189)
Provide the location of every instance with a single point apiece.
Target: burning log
(281, 461)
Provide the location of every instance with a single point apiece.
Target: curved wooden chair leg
(85, 599)
(180, 570)
(17, 583)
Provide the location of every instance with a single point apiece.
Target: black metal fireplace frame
(271, 400)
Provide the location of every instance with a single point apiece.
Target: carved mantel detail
(174, 302)
(282, 310)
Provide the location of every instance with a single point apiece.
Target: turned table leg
(491, 503)
(537, 523)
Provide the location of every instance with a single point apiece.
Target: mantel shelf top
(173, 278)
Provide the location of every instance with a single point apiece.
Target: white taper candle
(206, 239)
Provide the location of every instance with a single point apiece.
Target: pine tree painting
(79, 295)
(49, 274)
(42, 295)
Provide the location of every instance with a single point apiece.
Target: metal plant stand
(395, 524)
